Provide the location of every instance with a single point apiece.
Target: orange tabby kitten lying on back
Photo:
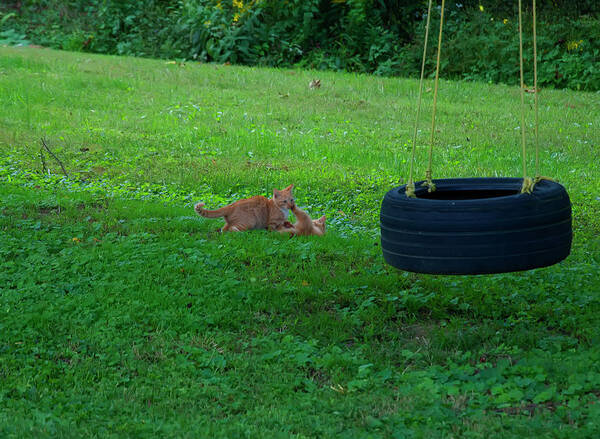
(305, 225)
(255, 213)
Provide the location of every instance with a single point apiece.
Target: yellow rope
(539, 178)
(535, 91)
(527, 186)
(430, 185)
(527, 182)
(410, 187)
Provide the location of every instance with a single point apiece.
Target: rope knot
(410, 190)
(527, 186)
(430, 185)
(540, 178)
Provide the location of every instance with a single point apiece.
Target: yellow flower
(574, 45)
(238, 4)
(76, 239)
(505, 21)
(481, 8)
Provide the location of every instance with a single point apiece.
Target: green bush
(479, 46)
(343, 35)
(382, 37)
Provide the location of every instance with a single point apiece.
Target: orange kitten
(304, 225)
(254, 213)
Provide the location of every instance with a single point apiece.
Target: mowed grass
(124, 314)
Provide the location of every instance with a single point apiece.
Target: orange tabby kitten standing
(254, 213)
(305, 225)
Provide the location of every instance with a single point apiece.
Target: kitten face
(284, 199)
(320, 224)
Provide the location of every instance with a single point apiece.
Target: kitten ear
(276, 193)
(289, 188)
(321, 220)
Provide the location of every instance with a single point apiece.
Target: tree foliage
(383, 37)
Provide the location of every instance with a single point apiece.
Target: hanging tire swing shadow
(469, 226)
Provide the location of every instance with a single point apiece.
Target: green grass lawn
(124, 314)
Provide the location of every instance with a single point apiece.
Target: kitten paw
(198, 207)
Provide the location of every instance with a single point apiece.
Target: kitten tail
(210, 213)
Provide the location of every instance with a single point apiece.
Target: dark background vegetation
(382, 37)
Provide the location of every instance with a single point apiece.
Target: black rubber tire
(476, 226)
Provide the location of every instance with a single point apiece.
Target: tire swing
(470, 226)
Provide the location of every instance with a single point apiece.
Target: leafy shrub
(383, 37)
(478, 46)
(11, 37)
